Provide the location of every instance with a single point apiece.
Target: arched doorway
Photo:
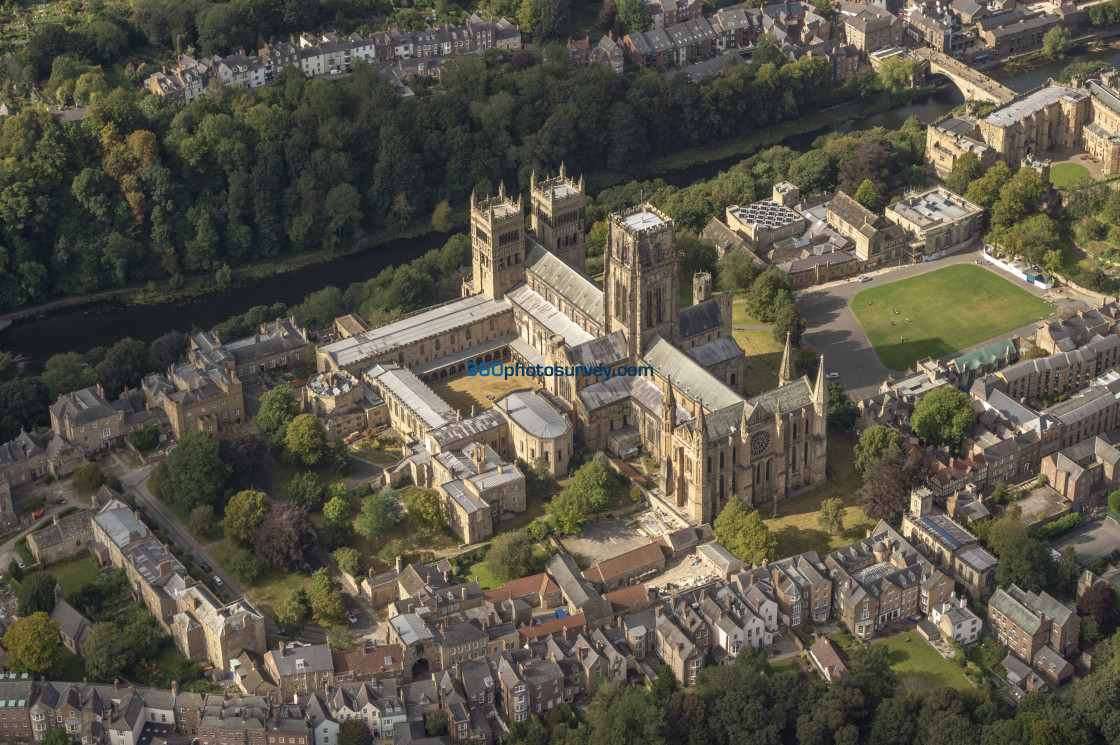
(421, 669)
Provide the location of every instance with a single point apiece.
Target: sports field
(948, 310)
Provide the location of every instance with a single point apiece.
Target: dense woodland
(149, 190)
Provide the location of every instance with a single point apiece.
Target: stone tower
(701, 287)
(557, 206)
(497, 244)
(641, 296)
(921, 501)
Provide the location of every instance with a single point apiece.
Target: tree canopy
(874, 443)
(36, 593)
(284, 536)
(381, 512)
(244, 513)
(739, 527)
(278, 408)
(193, 474)
(511, 556)
(943, 416)
(32, 644)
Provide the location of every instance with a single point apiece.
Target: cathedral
(527, 301)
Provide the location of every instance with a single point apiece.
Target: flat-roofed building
(939, 218)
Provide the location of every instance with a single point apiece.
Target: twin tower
(498, 232)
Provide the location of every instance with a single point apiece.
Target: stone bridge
(975, 85)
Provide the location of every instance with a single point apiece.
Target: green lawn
(480, 571)
(69, 666)
(843, 638)
(788, 665)
(273, 586)
(796, 526)
(1063, 174)
(949, 309)
(75, 573)
(468, 394)
(910, 657)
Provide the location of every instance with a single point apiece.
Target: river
(102, 324)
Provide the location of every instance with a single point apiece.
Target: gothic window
(660, 310)
(759, 444)
(709, 464)
(721, 461)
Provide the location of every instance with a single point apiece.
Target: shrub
(1059, 527)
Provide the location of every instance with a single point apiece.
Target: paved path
(834, 331)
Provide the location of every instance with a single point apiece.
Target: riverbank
(744, 147)
(160, 293)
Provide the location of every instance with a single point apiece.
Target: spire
(669, 406)
(820, 395)
(785, 372)
(533, 180)
(701, 427)
(561, 170)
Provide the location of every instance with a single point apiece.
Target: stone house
(300, 668)
(62, 539)
(1025, 622)
(88, 420)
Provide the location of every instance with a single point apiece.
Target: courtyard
(1064, 174)
(941, 312)
(471, 394)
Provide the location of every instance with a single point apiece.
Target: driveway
(834, 331)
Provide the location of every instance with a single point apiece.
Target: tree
(57, 736)
(306, 439)
(107, 651)
(278, 408)
(224, 275)
(441, 218)
(32, 644)
(832, 515)
(336, 515)
(306, 490)
(436, 725)
(1004, 493)
(868, 195)
(896, 74)
(244, 513)
(294, 612)
(284, 536)
(1057, 42)
(1114, 501)
(565, 513)
(885, 493)
(943, 416)
(424, 509)
(192, 475)
(875, 442)
(201, 520)
(812, 172)
(842, 410)
(146, 439)
(966, 169)
(244, 566)
(393, 550)
(88, 479)
(634, 15)
(326, 599)
(789, 321)
(544, 19)
(593, 485)
(349, 561)
(1028, 564)
(735, 271)
(984, 191)
(245, 450)
(1099, 603)
(381, 512)
(354, 732)
(607, 15)
(767, 288)
(739, 527)
(36, 593)
(511, 556)
(1004, 532)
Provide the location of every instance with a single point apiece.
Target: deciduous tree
(244, 513)
(739, 527)
(832, 514)
(885, 493)
(278, 408)
(294, 612)
(354, 732)
(193, 474)
(943, 416)
(875, 442)
(511, 556)
(380, 514)
(424, 509)
(1099, 602)
(306, 490)
(306, 439)
(284, 536)
(1028, 564)
(326, 599)
(36, 593)
(32, 644)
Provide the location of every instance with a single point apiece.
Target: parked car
(832, 376)
(352, 616)
(204, 567)
(864, 278)
(20, 564)
(218, 581)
